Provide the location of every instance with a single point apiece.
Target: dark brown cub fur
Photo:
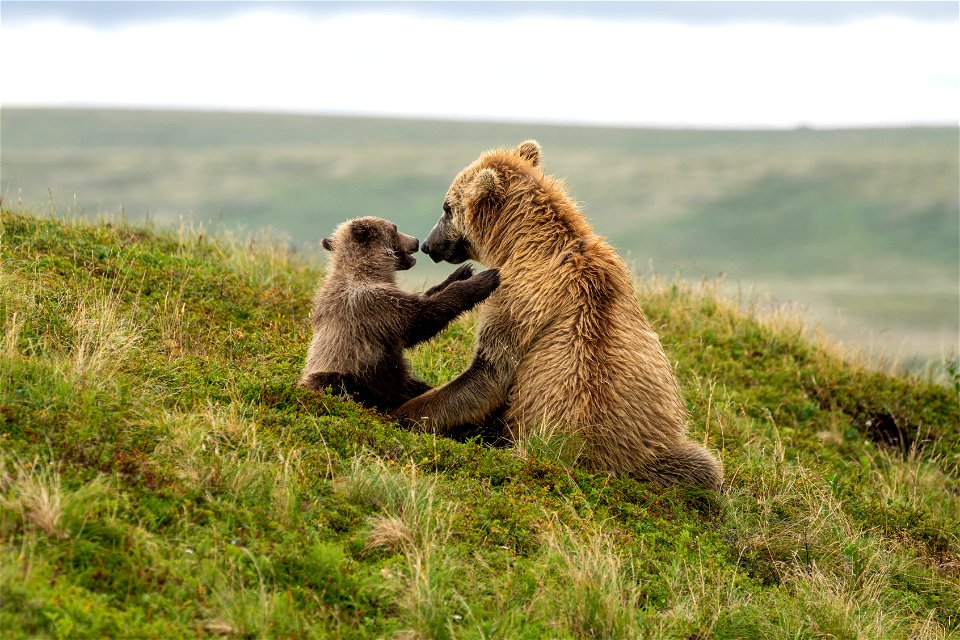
(362, 321)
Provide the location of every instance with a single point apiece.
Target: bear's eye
(446, 209)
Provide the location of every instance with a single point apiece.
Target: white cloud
(881, 71)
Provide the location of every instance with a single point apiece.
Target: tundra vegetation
(163, 475)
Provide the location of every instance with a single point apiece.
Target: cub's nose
(416, 245)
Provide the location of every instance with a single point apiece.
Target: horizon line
(470, 119)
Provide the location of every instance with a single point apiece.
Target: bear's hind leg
(338, 383)
(687, 464)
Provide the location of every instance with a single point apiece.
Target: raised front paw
(487, 281)
(462, 273)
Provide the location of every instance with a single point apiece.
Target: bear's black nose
(425, 248)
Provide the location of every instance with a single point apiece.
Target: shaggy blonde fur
(563, 340)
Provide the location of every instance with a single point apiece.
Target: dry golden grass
(33, 496)
(413, 521)
(105, 336)
(219, 452)
(36, 495)
(598, 593)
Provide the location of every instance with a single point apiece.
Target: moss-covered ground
(163, 477)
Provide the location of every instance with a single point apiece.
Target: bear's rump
(620, 398)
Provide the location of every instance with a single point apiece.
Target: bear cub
(362, 321)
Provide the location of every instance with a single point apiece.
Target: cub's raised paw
(462, 273)
(488, 280)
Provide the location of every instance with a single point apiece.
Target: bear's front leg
(469, 399)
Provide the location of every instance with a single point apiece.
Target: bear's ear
(530, 151)
(327, 244)
(487, 185)
(362, 231)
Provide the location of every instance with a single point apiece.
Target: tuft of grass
(411, 519)
(104, 337)
(11, 335)
(33, 493)
(244, 607)
(598, 594)
(36, 496)
(219, 453)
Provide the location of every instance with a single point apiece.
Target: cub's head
(473, 201)
(371, 246)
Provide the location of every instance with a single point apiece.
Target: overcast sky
(705, 64)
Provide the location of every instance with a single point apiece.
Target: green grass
(858, 226)
(163, 477)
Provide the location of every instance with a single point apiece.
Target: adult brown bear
(563, 340)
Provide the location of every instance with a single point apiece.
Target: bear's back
(352, 328)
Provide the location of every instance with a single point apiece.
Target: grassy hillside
(162, 476)
(860, 227)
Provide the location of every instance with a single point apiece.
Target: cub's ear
(327, 244)
(362, 231)
(530, 151)
(487, 185)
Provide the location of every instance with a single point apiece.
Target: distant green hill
(161, 476)
(860, 227)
